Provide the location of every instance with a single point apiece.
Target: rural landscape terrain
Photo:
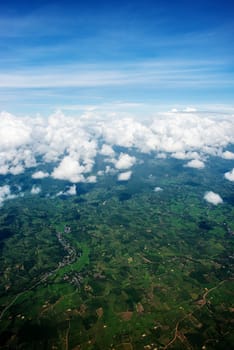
(139, 264)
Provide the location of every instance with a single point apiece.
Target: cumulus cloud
(5, 193)
(71, 144)
(125, 161)
(107, 150)
(125, 176)
(229, 175)
(172, 133)
(109, 170)
(158, 189)
(40, 175)
(13, 131)
(185, 133)
(35, 190)
(91, 179)
(71, 191)
(228, 155)
(195, 163)
(15, 138)
(186, 155)
(213, 198)
(69, 169)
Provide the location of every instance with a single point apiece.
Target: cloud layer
(72, 145)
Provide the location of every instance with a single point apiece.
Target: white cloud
(213, 198)
(72, 190)
(195, 163)
(125, 176)
(91, 179)
(35, 190)
(189, 110)
(60, 193)
(69, 169)
(71, 144)
(177, 132)
(15, 138)
(15, 170)
(107, 150)
(228, 155)
(127, 132)
(158, 189)
(229, 175)
(40, 175)
(125, 161)
(185, 155)
(5, 193)
(110, 170)
(161, 155)
(13, 131)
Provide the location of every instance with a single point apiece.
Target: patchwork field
(120, 265)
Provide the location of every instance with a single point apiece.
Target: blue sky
(126, 54)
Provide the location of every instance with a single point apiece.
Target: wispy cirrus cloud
(53, 55)
(167, 74)
(130, 52)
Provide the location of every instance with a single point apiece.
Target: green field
(152, 270)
